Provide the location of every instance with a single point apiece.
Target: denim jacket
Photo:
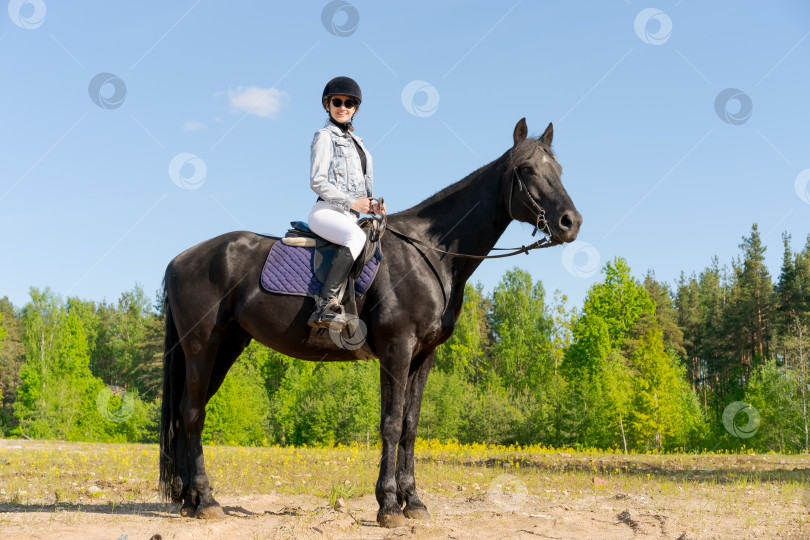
(336, 173)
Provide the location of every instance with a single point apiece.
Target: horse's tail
(174, 372)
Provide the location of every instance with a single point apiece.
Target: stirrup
(328, 313)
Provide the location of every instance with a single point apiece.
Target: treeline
(640, 366)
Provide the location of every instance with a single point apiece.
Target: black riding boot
(328, 310)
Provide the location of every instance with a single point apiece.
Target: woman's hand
(375, 207)
(363, 205)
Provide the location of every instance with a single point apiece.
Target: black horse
(214, 307)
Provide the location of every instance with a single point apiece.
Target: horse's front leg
(394, 365)
(406, 483)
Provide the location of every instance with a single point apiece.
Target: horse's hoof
(210, 512)
(417, 513)
(391, 521)
(187, 511)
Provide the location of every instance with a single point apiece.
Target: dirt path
(94, 491)
(274, 516)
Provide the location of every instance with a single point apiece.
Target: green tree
(656, 412)
(466, 350)
(492, 418)
(688, 317)
(618, 386)
(53, 400)
(620, 300)
(792, 320)
(42, 318)
(750, 316)
(12, 357)
(446, 399)
(665, 314)
(561, 337)
(521, 352)
(238, 413)
(779, 405)
(58, 396)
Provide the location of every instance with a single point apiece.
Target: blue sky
(89, 208)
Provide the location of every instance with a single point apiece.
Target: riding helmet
(342, 86)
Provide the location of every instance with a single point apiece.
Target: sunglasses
(350, 103)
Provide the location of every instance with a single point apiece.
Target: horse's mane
(449, 190)
(513, 157)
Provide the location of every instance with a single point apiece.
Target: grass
(769, 489)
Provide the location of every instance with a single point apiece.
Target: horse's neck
(467, 217)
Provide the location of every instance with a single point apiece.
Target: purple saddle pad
(288, 270)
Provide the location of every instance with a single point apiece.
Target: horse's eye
(526, 170)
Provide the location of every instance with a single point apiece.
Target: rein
(542, 243)
(541, 224)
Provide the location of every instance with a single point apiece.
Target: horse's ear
(547, 135)
(520, 132)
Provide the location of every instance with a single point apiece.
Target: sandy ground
(289, 516)
(707, 508)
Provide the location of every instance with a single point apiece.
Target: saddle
(300, 235)
(360, 276)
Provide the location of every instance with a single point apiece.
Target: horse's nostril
(565, 221)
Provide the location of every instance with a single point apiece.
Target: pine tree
(792, 302)
(688, 311)
(665, 314)
(751, 295)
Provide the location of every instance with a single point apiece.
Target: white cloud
(264, 102)
(193, 125)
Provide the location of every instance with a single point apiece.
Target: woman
(341, 174)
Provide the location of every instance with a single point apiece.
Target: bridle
(541, 224)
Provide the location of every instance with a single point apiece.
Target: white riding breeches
(337, 226)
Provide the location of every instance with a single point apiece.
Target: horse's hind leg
(228, 351)
(406, 483)
(182, 479)
(192, 408)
